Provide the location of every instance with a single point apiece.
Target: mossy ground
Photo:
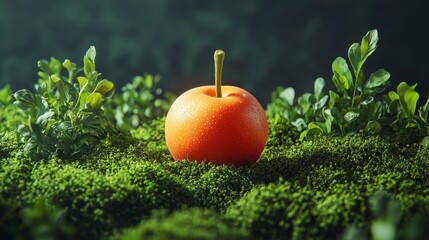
(129, 187)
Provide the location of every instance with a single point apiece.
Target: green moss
(15, 178)
(326, 184)
(281, 132)
(8, 145)
(152, 134)
(287, 210)
(10, 117)
(309, 189)
(268, 211)
(214, 187)
(98, 202)
(339, 206)
(344, 159)
(219, 187)
(193, 223)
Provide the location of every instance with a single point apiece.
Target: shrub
(10, 118)
(65, 115)
(357, 104)
(139, 102)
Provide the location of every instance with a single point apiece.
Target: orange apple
(218, 124)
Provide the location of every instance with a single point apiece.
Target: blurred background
(267, 43)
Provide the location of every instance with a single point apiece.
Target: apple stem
(219, 56)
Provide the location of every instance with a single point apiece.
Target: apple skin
(231, 129)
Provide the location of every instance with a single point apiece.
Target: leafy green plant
(140, 101)
(5, 96)
(403, 105)
(358, 104)
(302, 111)
(65, 115)
(9, 116)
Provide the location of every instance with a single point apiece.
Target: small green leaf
(55, 78)
(373, 127)
(104, 87)
(333, 97)
(355, 57)
(62, 91)
(338, 119)
(358, 53)
(351, 116)
(55, 65)
(299, 124)
(364, 99)
(377, 79)
(342, 77)
(329, 120)
(288, 95)
(44, 66)
(424, 111)
(67, 64)
(148, 81)
(95, 100)
(34, 128)
(313, 129)
(91, 53)
(335, 113)
(319, 84)
(304, 102)
(43, 119)
(82, 82)
(392, 107)
(408, 98)
(368, 44)
(321, 103)
(42, 75)
(70, 91)
(312, 99)
(88, 66)
(5, 94)
(328, 125)
(393, 96)
(82, 98)
(367, 100)
(316, 128)
(24, 99)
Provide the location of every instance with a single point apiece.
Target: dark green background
(267, 43)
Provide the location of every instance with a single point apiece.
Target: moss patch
(128, 185)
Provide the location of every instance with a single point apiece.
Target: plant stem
(219, 56)
(355, 86)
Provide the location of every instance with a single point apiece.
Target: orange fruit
(229, 128)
